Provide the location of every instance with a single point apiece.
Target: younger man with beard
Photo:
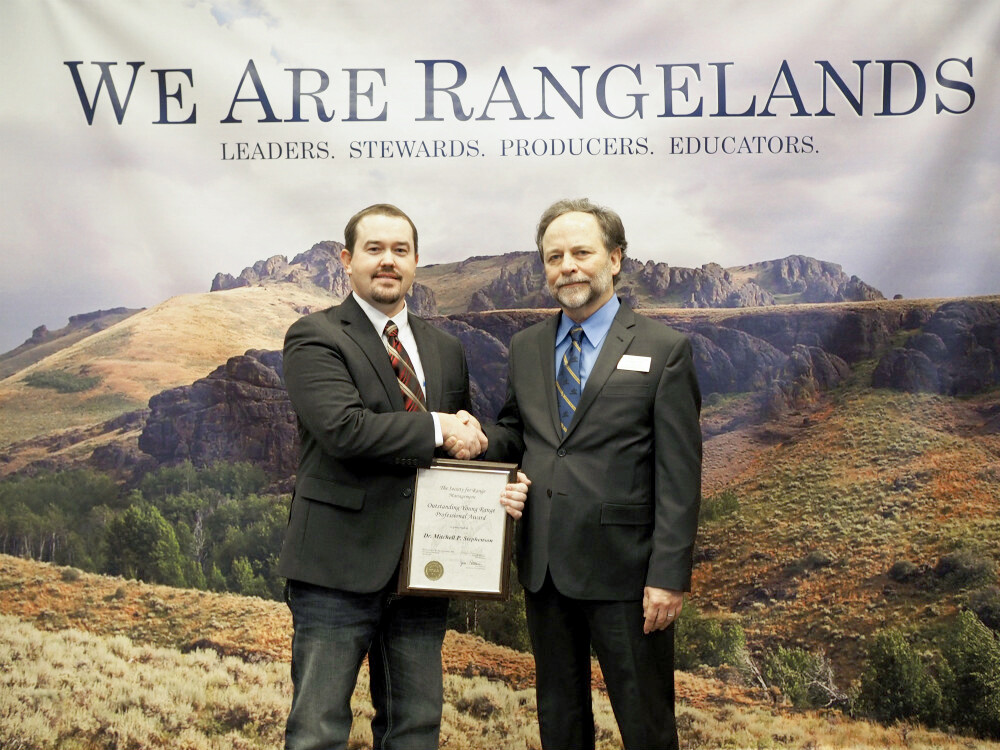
(376, 391)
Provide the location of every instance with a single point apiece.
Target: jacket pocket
(625, 391)
(330, 492)
(626, 514)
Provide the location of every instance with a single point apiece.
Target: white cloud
(103, 215)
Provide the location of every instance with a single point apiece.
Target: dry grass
(91, 662)
(172, 344)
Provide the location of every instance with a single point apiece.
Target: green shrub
(245, 580)
(805, 678)
(896, 683)
(964, 568)
(62, 381)
(903, 571)
(986, 604)
(142, 544)
(502, 623)
(972, 653)
(718, 506)
(702, 640)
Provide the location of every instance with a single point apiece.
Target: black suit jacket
(360, 450)
(613, 504)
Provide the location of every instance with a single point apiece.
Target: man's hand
(514, 495)
(660, 608)
(463, 436)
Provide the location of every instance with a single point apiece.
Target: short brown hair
(379, 209)
(612, 229)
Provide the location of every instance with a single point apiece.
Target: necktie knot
(391, 330)
(576, 333)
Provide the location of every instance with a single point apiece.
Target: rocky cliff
(955, 352)
(793, 279)
(320, 266)
(787, 357)
(239, 412)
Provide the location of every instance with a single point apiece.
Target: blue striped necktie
(568, 386)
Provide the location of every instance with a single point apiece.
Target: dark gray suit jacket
(360, 450)
(613, 504)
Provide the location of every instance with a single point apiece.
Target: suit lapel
(619, 337)
(357, 325)
(547, 356)
(430, 361)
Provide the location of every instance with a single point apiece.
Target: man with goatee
(603, 405)
(377, 392)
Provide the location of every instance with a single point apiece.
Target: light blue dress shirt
(595, 330)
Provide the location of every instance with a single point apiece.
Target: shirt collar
(596, 327)
(379, 318)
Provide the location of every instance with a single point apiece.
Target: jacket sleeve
(330, 407)
(677, 471)
(506, 437)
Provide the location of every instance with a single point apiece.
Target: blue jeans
(333, 630)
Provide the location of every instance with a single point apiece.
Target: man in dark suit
(604, 406)
(376, 391)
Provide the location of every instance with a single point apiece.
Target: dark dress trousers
(612, 508)
(360, 450)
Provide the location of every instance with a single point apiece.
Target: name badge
(635, 363)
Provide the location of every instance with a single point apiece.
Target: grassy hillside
(807, 531)
(119, 368)
(92, 662)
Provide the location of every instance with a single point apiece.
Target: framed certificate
(460, 537)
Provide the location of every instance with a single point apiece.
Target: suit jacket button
(548, 493)
(407, 492)
(561, 452)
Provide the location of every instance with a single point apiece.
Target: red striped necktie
(409, 383)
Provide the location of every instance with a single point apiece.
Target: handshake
(463, 435)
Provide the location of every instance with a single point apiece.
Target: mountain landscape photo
(845, 589)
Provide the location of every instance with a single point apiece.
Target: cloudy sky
(103, 215)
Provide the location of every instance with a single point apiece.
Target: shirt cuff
(438, 435)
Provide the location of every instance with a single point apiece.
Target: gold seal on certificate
(460, 537)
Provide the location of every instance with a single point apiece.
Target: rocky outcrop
(906, 370)
(731, 361)
(850, 333)
(518, 288)
(815, 280)
(957, 352)
(808, 372)
(239, 412)
(320, 266)
(661, 285)
(708, 286)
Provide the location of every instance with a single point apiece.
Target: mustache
(566, 282)
(387, 275)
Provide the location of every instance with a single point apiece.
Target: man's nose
(568, 265)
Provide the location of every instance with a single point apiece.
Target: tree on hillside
(972, 653)
(141, 544)
(896, 683)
